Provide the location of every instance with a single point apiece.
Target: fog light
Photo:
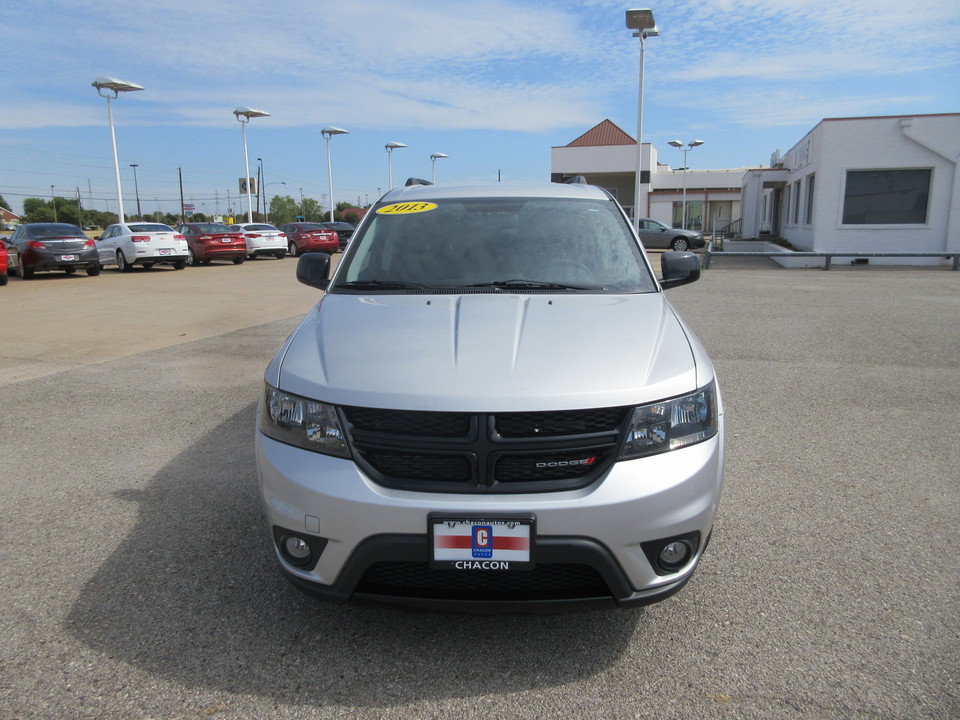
(674, 554)
(296, 549)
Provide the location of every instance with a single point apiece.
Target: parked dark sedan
(213, 241)
(54, 246)
(310, 237)
(344, 231)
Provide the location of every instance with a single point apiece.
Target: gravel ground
(137, 581)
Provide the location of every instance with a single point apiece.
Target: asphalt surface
(136, 580)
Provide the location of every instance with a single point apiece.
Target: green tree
(4, 204)
(283, 209)
(312, 210)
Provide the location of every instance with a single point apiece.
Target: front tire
(191, 259)
(292, 249)
(26, 273)
(680, 244)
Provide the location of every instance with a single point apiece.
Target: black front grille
(485, 452)
(565, 422)
(543, 582)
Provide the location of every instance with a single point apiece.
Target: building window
(809, 216)
(796, 203)
(886, 197)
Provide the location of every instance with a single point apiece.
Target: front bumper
(589, 542)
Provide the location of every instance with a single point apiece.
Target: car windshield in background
(495, 245)
(311, 226)
(54, 230)
(256, 227)
(212, 228)
(150, 227)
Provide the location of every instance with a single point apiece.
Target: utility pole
(183, 214)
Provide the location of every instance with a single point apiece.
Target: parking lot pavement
(137, 581)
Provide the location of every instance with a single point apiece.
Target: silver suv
(492, 407)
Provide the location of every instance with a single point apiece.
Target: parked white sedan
(262, 239)
(146, 244)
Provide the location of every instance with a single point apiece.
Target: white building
(607, 156)
(873, 184)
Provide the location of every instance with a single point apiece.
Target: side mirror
(678, 268)
(312, 269)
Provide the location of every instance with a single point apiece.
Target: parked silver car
(655, 234)
(493, 407)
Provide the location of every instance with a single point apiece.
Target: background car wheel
(3, 280)
(122, 263)
(25, 272)
(148, 265)
(281, 255)
(179, 264)
(238, 260)
(292, 249)
(70, 270)
(680, 244)
(93, 270)
(191, 260)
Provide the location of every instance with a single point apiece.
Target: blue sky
(492, 83)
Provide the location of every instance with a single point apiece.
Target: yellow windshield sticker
(407, 208)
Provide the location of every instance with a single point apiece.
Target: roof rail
(417, 181)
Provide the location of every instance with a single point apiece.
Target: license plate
(482, 543)
(166, 251)
(226, 240)
(68, 258)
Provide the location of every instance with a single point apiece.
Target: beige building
(607, 157)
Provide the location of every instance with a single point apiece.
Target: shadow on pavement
(194, 594)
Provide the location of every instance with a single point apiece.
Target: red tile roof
(606, 133)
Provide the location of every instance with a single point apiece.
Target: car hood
(482, 352)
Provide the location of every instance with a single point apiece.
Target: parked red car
(310, 237)
(212, 241)
(3, 263)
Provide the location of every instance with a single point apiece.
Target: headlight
(305, 423)
(671, 424)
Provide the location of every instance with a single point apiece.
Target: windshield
(54, 230)
(150, 227)
(496, 244)
(254, 227)
(212, 228)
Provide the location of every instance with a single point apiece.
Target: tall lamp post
(391, 146)
(433, 162)
(328, 132)
(644, 26)
(690, 146)
(110, 88)
(136, 189)
(243, 116)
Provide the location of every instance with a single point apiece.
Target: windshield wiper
(381, 285)
(521, 284)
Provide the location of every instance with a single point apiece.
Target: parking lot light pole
(391, 146)
(328, 132)
(644, 26)
(690, 146)
(243, 116)
(433, 162)
(110, 88)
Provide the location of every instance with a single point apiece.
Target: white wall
(835, 146)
